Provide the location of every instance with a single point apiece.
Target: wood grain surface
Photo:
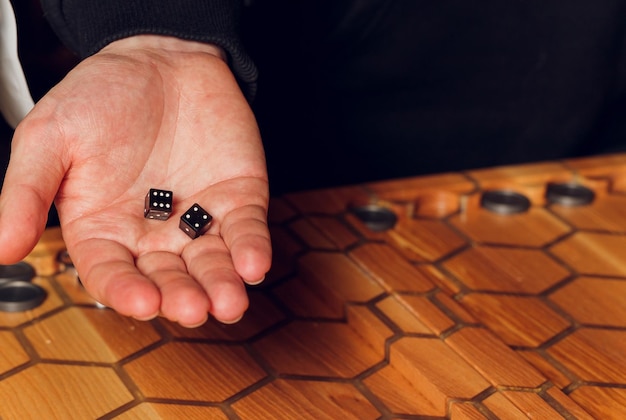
(453, 312)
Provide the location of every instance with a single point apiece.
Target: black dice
(195, 221)
(158, 204)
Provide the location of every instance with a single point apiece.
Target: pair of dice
(159, 204)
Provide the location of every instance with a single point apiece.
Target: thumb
(31, 182)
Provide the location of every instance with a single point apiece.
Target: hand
(145, 112)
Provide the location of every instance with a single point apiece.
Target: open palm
(122, 122)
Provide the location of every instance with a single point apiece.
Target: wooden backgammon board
(403, 299)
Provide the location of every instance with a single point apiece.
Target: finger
(31, 182)
(247, 236)
(183, 300)
(209, 262)
(108, 272)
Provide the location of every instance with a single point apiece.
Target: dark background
(352, 91)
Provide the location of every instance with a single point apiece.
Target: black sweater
(86, 26)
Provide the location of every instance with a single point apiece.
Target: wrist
(167, 43)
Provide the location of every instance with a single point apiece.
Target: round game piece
(19, 295)
(64, 258)
(376, 218)
(504, 202)
(569, 194)
(19, 271)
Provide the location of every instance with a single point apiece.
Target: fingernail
(234, 321)
(255, 282)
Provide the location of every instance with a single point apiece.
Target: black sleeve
(86, 26)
